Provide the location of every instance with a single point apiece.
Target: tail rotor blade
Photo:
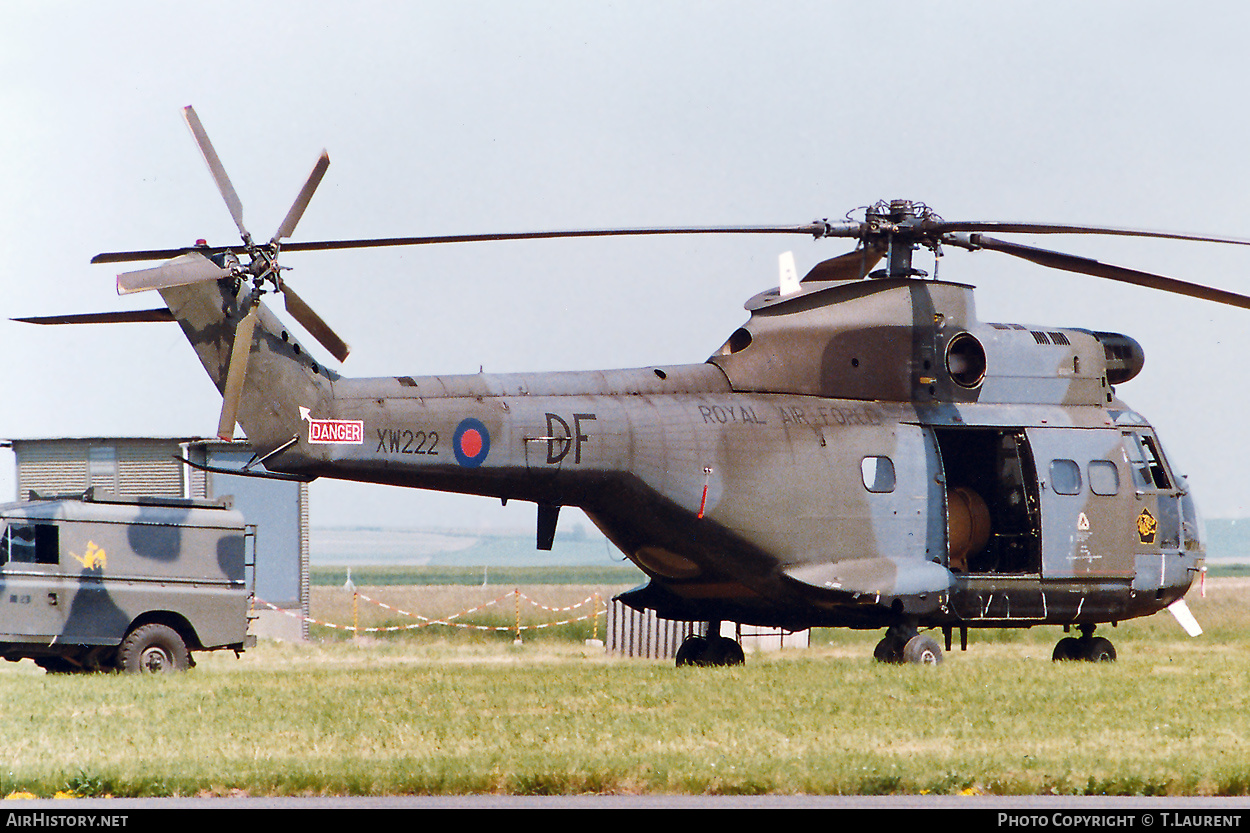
(216, 169)
(301, 201)
(313, 323)
(240, 353)
(185, 269)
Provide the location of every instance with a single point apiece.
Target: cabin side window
(30, 544)
(877, 473)
(1104, 477)
(1065, 477)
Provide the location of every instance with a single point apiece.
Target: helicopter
(863, 452)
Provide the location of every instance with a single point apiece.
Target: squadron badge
(1147, 527)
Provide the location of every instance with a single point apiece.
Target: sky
(447, 118)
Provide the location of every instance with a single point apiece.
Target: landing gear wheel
(888, 650)
(1099, 649)
(711, 650)
(691, 651)
(1067, 649)
(721, 650)
(153, 649)
(922, 650)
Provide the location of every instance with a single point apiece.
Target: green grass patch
(459, 714)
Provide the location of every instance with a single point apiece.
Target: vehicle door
(1163, 522)
(1086, 502)
(34, 597)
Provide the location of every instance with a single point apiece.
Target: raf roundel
(471, 443)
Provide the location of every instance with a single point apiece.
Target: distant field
(363, 546)
(476, 575)
(471, 712)
(468, 553)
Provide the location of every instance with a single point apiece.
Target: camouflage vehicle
(95, 582)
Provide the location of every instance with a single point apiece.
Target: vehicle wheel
(922, 650)
(691, 651)
(1099, 649)
(1067, 649)
(153, 649)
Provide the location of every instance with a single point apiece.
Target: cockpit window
(1144, 458)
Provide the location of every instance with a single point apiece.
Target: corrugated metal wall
(635, 634)
(124, 467)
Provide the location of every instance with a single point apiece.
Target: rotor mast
(898, 221)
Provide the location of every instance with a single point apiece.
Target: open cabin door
(992, 511)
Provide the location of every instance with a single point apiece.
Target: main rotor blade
(1088, 266)
(184, 269)
(119, 317)
(818, 229)
(236, 374)
(314, 324)
(943, 227)
(216, 169)
(301, 201)
(848, 267)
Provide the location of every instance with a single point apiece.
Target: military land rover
(96, 582)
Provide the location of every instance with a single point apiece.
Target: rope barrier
(597, 607)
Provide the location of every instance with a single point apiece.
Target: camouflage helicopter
(863, 452)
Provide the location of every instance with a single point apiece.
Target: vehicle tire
(922, 650)
(1067, 649)
(1099, 649)
(153, 649)
(691, 651)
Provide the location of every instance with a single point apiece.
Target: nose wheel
(905, 644)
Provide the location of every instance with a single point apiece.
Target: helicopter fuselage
(978, 477)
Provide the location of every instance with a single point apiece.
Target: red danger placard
(336, 431)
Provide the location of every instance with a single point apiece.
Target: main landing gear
(905, 644)
(1089, 647)
(712, 649)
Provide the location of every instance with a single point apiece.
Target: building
(169, 466)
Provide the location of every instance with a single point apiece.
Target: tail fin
(281, 375)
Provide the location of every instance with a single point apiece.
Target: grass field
(467, 711)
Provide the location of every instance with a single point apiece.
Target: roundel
(471, 443)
